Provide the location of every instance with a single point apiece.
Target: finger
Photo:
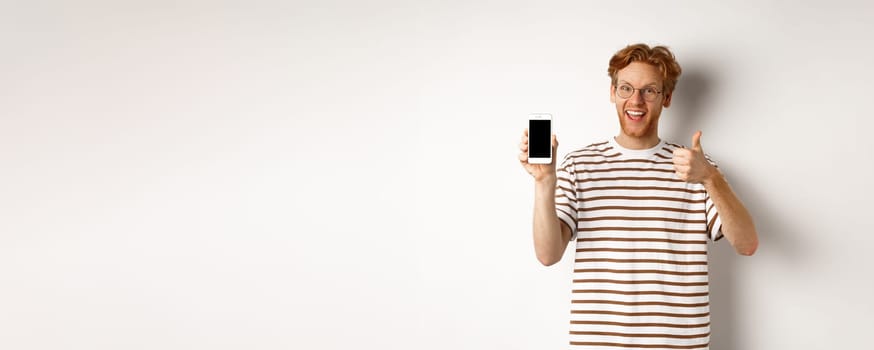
(696, 141)
(526, 132)
(681, 153)
(523, 157)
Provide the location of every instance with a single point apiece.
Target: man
(640, 211)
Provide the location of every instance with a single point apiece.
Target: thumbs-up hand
(690, 163)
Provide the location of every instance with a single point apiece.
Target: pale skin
(737, 224)
(638, 130)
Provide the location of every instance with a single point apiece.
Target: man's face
(638, 117)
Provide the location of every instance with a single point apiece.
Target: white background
(343, 174)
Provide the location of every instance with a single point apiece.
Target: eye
(625, 88)
(650, 92)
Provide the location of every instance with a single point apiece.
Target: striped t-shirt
(640, 233)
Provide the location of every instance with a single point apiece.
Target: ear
(667, 102)
(612, 93)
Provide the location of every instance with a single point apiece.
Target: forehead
(640, 74)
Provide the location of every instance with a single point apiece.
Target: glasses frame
(639, 90)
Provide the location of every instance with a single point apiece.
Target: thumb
(696, 141)
(554, 147)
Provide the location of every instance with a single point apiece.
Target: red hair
(658, 56)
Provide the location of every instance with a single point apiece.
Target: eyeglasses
(626, 91)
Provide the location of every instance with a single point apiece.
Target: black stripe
(638, 188)
(638, 240)
(624, 324)
(655, 346)
(624, 161)
(642, 292)
(663, 314)
(608, 170)
(661, 272)
(631, 178)
(647, 198)
(680, 284)
(643, 218)
(638, 229)
(643, 335)
(619, 207)
(641, 261)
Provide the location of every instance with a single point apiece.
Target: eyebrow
(644, 85)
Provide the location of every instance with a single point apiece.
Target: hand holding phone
(537, 147)
(540, 138)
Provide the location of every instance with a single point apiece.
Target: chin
(636, 132)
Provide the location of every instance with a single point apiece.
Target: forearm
(737, 224)
(549, 241)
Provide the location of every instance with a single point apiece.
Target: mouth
(634, 115)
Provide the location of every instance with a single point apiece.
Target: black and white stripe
(640, 233)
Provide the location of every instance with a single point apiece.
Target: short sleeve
(566, 195)
(714, 224)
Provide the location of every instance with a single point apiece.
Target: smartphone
(540, 138)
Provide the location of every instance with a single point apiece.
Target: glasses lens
(649, 94)
(624, 91)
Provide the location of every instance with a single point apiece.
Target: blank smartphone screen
(539, 142)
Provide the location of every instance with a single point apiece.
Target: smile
(634, 115)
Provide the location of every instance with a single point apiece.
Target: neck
(632, 142)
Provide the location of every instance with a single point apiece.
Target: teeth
(635, 113)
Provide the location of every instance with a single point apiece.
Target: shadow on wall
(695, 91)
(691, 95)
(726, 282)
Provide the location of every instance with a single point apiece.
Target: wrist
(547, 181)
(712, 176)
(544, 191)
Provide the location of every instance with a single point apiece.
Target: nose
(636, 96)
